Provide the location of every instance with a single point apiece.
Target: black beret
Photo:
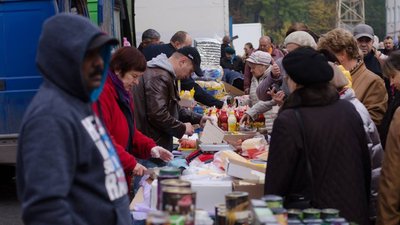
(306, 66)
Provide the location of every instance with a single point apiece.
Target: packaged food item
(329, 213)
(254, 146)
(295, 214)
(223, 120)
(311, 213)
(165, 173)
(237, 208)
(187, 98)
(259, 122)
(273, 201)
(185, 143)
(220, 214)
(280, 215)
(313, 221)
(180, 203)
(175, 183)
(294, 222)
(185, 94)
(338, 220)
(214, 118)
(157, 218)
(232, 122)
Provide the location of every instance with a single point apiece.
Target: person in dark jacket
(389, 187)
(68, 171)
(364, 35)
(226, 42)
(232, 61)
(265, 45)
(389, 45)
(293, 40)
(391, 65)
(158, 114)
(318, 145)
(179, 40)
(369, 88)
(149, 37)
(115, 107)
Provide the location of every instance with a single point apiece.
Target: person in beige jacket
(369, 87)
(389, 185)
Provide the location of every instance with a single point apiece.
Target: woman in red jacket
(115, 108)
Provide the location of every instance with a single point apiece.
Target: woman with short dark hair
(115, 108)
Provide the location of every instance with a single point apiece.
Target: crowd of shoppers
(98, 114)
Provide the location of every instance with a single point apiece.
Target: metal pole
(133, 24)
(394, 18)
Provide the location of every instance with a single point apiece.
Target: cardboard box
(232, 90)
(212, 134)
(208, 193)
(230, 137)
(255, 190)
(246, 170)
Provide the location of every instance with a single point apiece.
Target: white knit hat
(260, 57)
(301, 38)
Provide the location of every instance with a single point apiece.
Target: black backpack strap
(306, 153)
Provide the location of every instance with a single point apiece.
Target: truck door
(20, 27)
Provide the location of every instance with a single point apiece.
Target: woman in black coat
(329, 166)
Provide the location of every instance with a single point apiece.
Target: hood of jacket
(61, 51)
(162, 62)
(311, 96)
(348, 94)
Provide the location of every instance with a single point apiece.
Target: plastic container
(165, 174)
(273, 201)
(223, 120)
(232, 122)
(214, 118)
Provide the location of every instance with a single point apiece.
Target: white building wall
(246, 32)
(393, 18)
(200, 18)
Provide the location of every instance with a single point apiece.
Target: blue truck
(20, 27)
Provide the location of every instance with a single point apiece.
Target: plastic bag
(143, 208)
(254, 146)
(222, 158)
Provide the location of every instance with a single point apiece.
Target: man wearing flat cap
(68, 171)
(365, 39)
(159, 115)
(364, 34)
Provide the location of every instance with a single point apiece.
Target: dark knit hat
(306, 66)
(230, 50)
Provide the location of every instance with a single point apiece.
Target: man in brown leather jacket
(157, 112)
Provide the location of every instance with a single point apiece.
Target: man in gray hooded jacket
(67, 169)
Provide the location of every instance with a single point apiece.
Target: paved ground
(10, 210)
